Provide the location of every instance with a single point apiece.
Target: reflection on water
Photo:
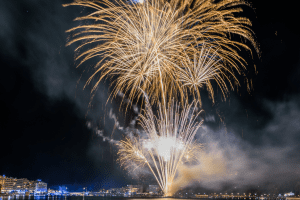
(21, 197)
(77, 198)
(105, 198)
(98, 198)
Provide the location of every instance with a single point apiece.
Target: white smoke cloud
(210, 118)
(246, 163)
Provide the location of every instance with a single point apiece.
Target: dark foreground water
(109, 198)
(127, 198)
(124, 198)
(81, 198)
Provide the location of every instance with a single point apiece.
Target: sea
(82, 198)
(21, 197)
(110, 198)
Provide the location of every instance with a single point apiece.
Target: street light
(83, 192)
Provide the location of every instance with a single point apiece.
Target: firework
(163, 50)
(168, 49)
(167, 143)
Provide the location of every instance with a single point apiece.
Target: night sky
(45, 111)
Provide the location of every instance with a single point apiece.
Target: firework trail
(125, 130)
(113, 116)
(164, 144)
(167, 143)
(99, 133)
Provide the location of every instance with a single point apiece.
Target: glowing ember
(168, 143)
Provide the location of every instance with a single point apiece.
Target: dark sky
(44, 109)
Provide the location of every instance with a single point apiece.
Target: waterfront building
(131, 190)
(8, 184)
(115, 192)
(22, 185)
(40, 187)
(289, 194)
(137, 189)
(154, 189)
(63, 189)
(201, 196)
(224, 196)
(1, 183)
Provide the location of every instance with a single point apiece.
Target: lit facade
(154, 189)
(22, 185)
(40, 187)
(290, 194)
(8, 184)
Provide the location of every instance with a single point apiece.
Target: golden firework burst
(167, 142)
(165, 48)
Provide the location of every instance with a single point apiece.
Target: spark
(168, 142)
(165, 51)
(165, 48)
